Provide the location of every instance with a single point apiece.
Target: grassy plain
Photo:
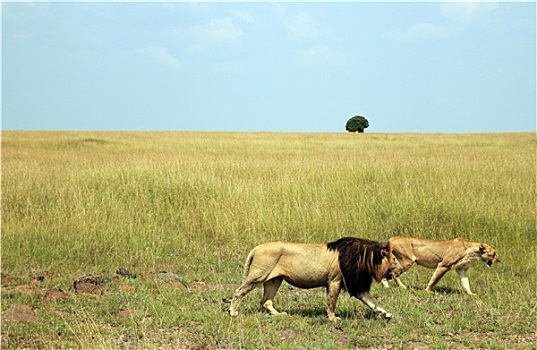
(193, 204)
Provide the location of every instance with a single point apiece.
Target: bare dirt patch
(415, 344)
(19, 313)
(290, 334)
(342, 338)
(30, 278)
(124, 314)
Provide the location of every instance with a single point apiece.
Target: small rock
(39, 276)
(55, 293)
(89, 283)
(171, 277)
(125, 273)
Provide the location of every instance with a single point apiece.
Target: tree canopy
(357, 123)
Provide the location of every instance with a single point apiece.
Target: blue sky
(290, 67)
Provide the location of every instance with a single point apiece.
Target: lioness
(442, 255)
(349, 263)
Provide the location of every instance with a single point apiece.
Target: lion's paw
(334, 319)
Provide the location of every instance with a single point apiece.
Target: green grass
(194, 203)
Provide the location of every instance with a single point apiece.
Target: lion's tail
(248, 262)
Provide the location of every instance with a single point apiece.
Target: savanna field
(133, 240)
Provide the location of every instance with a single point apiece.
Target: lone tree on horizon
(357, 124)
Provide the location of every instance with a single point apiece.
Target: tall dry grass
(98, 200)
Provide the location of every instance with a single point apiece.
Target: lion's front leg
(368, 299)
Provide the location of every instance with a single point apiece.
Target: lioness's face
(488, 254)
(395, 268)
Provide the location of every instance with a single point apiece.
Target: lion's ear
(482, 248)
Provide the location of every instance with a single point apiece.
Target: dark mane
(358, 260)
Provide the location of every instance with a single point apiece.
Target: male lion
(349, 263)
(442, 255)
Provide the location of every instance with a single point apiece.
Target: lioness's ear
(482, 248)
(385, 251)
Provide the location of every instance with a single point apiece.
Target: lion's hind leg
(332, 293)
(270, 288)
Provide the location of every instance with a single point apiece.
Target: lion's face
(488, 254)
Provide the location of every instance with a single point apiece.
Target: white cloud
(420, 31)
(161, 56)
(195, 6)
(302, 26)
(218, 32)
(320, 56)
(243, 16)
(458, 14)
(25, 11)
(466, 11)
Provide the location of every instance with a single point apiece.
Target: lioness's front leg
(368, 299)
(399, 283)
(385, 283)
(464, 280)
(396, 278)
(406, 263)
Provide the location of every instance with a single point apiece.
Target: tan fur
(442, 255)
(303, 266)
